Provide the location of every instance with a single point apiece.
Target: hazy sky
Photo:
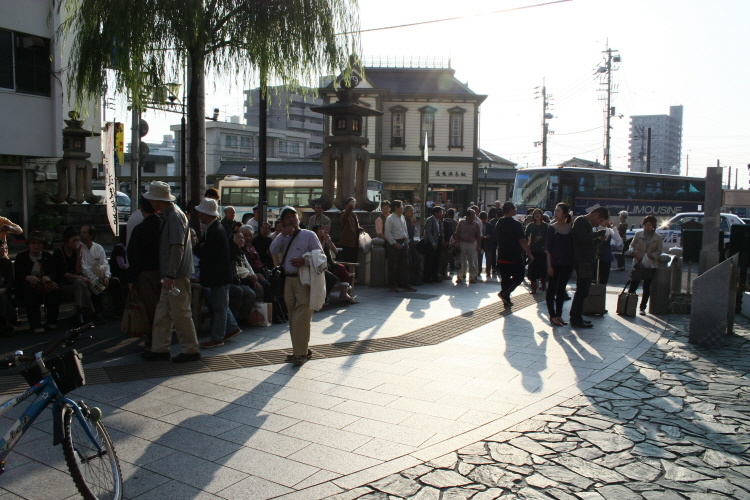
(686, 52)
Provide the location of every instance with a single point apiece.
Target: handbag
(44, 287)
(423, 246)
(640, 273)
(365, 241)
(135, 321)
(278, 274)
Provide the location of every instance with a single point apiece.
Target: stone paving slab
(291, 431)
(674, 424)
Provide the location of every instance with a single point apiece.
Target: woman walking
(646, 248)
(536, 233)
(559, 249)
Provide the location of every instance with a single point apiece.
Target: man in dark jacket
(143, 262)
(584, 253)
(511, 246)
(216, 274)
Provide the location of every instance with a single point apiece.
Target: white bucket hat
(159, 191)
(208, 206)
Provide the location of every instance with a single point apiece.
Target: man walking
(216, 274)
(511, 245)
(175, 267)
(292, 244)
(584, 253)
(433, 231)
(398, 259)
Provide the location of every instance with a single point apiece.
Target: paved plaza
(506, 406)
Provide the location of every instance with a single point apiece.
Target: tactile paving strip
(428, 335)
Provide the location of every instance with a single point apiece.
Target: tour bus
(242, 193)
(584, 189)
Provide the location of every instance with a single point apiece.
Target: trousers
(556, 292)
(511, 275)
(222, 319)
(398, 266)
(174, 312)
(583, 285)
(468, 259)
(297, 299)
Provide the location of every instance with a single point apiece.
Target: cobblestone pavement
(673, 425)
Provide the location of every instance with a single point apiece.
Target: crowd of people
(237, 266)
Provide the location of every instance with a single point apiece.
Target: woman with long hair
(536, 233)
(559, 249)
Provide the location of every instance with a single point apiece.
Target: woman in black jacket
(35, 273)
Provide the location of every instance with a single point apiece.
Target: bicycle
(89, 452)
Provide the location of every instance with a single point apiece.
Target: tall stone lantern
(346, 164)
(74, 170)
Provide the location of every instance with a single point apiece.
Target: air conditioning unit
(29, 41)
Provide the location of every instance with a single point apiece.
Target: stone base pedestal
(81, 215)
(712, 309)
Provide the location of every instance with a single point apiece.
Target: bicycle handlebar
(69, 338)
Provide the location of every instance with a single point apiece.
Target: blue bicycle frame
(47, 392)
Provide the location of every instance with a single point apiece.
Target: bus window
(249, 197)
(622, 187)
(651, 188)
(593, 185)
(531, 190)
(696, 190)
(674, 189)
(274, 198)
(234, 198)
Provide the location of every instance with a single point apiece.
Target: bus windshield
(535, 189)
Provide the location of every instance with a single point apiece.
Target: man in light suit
(433, 230)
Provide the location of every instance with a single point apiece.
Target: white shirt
(253, 224)
(94, 261)
(395, 228)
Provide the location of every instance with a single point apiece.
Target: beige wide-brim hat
(159, 191)
(208, 206)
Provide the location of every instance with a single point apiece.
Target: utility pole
(611, 59)
(648, 152)
(545, 116)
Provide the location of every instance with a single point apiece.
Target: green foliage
(145, 41)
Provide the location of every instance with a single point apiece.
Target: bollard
(378, 268)
(660, 287)
(676, 267)
(365, 268)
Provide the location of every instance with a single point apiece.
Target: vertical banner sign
(119, 144)
(110, 186)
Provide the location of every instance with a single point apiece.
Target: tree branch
(220, 24)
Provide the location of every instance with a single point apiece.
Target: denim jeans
(222, 320)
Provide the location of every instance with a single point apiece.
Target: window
(149, 167)
(246, 142)
(456, 130)
(230, 141)
(398, 124)
(427, 126)
(25, 64)
(294, 147)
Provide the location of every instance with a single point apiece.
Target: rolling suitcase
(627, 302)
(595, 303)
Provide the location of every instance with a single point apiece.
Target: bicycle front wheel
(96, 475)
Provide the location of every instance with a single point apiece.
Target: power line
(582, 131)
(453, 18)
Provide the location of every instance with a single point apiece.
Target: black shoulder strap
(283, 259)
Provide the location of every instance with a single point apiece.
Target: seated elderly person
(95, 267)
(67, 261)
(245, 288)
(337, 277)
(35, 284)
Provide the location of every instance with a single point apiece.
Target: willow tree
(132, 46)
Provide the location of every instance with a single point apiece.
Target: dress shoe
(155, 356)
(299, 360)
(567, 297)
(290, 357)
(232, 334)
(580, 324)
(643, 312)
(212, 343)
(187, 358)
(587, 322)
(505, 298)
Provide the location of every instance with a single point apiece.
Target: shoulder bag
(278, 274)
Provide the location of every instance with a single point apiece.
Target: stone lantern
(74, 170)
(346, 163)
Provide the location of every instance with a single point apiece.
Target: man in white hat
(216, 273)
(175, 267)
